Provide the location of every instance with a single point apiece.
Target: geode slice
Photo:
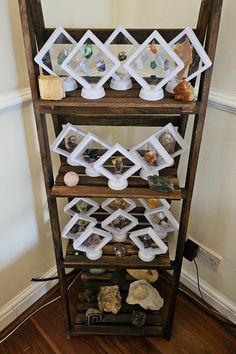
(109, 299)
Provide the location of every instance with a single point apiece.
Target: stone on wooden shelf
(138, 318)
(93, 315)
(184, 91)
(109, 299)
(51, 87)
(71, 179)
(145, 295)
(150, 275)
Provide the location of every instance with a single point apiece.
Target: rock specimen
(51, 87)
(144, 294)
(168, 142)
(109, 299)
(119, 249)
(185, 53)
(93, 316)
(71, 179)
(138, 318)
(184, 91)
(150, 275)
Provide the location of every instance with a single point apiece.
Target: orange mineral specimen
(184, 91)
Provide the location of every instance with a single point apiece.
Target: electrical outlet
(209, 258)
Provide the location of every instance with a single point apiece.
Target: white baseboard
(213, 297)
(25, 299)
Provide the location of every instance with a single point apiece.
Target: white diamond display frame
(200, 51)
(117, 82)
(121, 234)
(169, 128)
(162, 231)
(147, 207)
(77, 154)
(148, 254)
(68, 208)
(107, 202)
(153, 92)
(147, 169)
(96, 252)
(55, 145)
(70, 235)
(91, 91)
(117, 181)
(69, 83)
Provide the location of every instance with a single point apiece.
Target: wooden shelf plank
(116, 102)
(108, 260)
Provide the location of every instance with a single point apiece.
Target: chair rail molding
(223, 100)
(15, 99)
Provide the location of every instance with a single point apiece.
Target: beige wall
(26, 247)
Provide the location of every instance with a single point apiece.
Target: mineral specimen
(149, 275)
(118, 164)
(168, 142)
(118, 204)
(138, 318)
(71, 143)
(122, 56)
(184, 91)
(93, 315)
(151, 157)
(109, 299)
(71, 179)
(119, 250)
(153, 64)
(88, 50)
(145, 295)
(185, 53)
(101, 66)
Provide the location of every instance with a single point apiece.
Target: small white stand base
(121, 85)
(171, 85)
(94, 255)
(118, 185)
(69, 84)
(93, 93)
(151, 94)
(72, 162)
(146, 256)
(91, 172)
(119, 238)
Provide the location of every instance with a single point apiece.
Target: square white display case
(83, 206)
(157, 202)
(152, 156)
(118, 178)
(113, 204)
(92, 242)
(148, 66)
(171, 140)
(204, 60)
(91, 59)
(149, 244)
(162, 221)
(64, 144)
(90, 142)
(53, 53)
(119, 223)
(77, 225)
(122, 45)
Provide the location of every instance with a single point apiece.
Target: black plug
(190, 250)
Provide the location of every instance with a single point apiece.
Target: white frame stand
(200, 51)
(121, 234)
(55, 145)
(117, 181)
(91, 91)
(121, 83)
(148, 254)
(77, 154)
(69, 211)
(96, 252)
(66, 230)
(153, 92)
(107, 202)
(69, 83)
(161, 230)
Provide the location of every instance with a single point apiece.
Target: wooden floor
(195, 332)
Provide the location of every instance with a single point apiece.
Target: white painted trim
(222, 100)
(14, 100)
(25, 299)
(213, 297)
